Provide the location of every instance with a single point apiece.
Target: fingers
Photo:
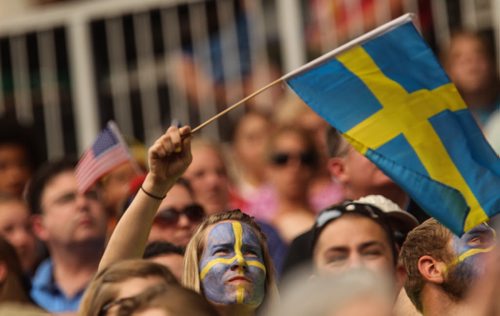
(173, 141)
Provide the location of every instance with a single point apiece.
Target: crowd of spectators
(210, 228)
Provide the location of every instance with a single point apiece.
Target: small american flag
(108, 151)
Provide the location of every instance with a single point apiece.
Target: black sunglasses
(337, 211)
(306, 158)
(171, 215)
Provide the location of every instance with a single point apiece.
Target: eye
(251, 253)
(221, 252)
(372, 252)
(336, 259)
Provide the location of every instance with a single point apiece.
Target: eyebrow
(361, 247)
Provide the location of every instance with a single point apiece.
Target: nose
(21, 238)
(183, 221)
(355, 261)
(239, 262)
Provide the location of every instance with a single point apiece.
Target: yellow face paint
(232, 265)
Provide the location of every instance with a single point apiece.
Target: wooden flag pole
(234, 106)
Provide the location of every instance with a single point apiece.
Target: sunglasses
(171, 215)
(305, 158)
(337, 211)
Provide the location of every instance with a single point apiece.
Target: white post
(20, 74)
(82, 79)
(292, 38)
(495, 6)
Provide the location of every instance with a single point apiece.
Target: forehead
(351, 231)
(62, 182)
(479, 230)
(229, 231)
(205, 156)
(178, 196)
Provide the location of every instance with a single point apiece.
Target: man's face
(358, 175)
(69, 217)
(14, 169)
(353, 241)
(468, 264)
(208, 177)
(232, 269)
(180, 231)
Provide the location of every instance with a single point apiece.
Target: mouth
(239, 279)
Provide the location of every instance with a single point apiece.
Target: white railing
(132, 80)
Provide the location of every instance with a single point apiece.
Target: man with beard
(442, 268)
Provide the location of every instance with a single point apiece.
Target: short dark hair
(16, 134)
(42, 177)
(159, 248)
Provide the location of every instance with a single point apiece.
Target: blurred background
(67, 67)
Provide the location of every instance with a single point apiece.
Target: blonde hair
(102, 289)
(194, 251)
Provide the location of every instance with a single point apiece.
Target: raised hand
(170, 155)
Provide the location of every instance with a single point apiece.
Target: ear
(337, 168)
(400, 276)
(431, 269)
(39, 227)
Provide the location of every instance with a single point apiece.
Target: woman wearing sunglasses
(292, 159)
(178, 216)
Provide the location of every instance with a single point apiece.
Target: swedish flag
(392, 100)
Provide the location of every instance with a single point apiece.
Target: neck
(75, 265)
(435, 302)
(481, 99)
(235, 310)
(293, 205)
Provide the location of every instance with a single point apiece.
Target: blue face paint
(232, 269)
(481, 239)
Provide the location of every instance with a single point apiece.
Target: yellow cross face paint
(232, 265)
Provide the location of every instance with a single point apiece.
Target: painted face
(232, 265)
(480, 239)
(468, 266)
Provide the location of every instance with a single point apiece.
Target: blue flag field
(388, 95)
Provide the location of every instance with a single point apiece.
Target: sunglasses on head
(171, 215)
(357, 208)
(282, 158)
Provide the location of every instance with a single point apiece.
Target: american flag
(108, 151)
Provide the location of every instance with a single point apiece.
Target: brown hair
(429, 238)
(174, 300)
(13, 288)
(194, 251)
(102, 289)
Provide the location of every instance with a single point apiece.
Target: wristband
(151, 195)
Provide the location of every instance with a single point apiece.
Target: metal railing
(69, 68)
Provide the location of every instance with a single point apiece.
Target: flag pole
(237, 104)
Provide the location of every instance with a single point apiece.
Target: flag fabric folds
(108, 151)
(390, 98)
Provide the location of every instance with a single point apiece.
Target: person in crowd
(237, 256)
(73, 226)
(211, 186)
(18, 156)
(164, 300)
(167, 254)
(178, 216)
(228, 262)
(443, 268)
(208, 176)
(323, 191)
(15, 226)
(358, 292)
(292, 157)
(248, 146)
(470, 62)
(358, 177)
(119, 281)
(380, 226)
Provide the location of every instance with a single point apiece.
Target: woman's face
(232, 269)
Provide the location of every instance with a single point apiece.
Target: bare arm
(168, 157)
